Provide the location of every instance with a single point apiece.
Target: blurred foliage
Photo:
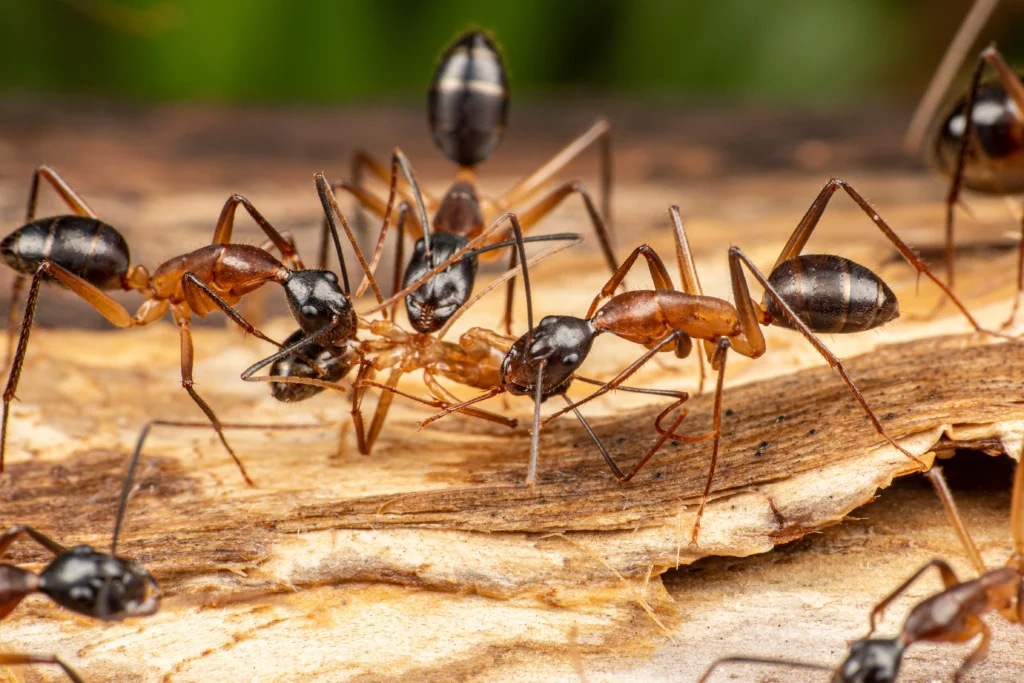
(317, 50)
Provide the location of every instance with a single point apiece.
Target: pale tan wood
(304, 579)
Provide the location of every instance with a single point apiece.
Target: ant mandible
(805, 292)
(952, 616)
(983, 152)
(89, 256)
(468, 109)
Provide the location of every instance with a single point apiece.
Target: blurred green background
(339, 50)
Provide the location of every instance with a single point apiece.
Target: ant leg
(12, 316)
(688, 277)
(1011, 83)
(1017, 515)
(362, 159)
(187, 358)
(599, 133)
(364, 199)
(759, 660)
(948, 580)
(659, 273)
(331, 209)
(810, 221)
(459, 407)
(718, 360)
(447, 398)
(979, 653)
(226, 223)
(934, 475)
(447, 406)
(381, 412)
(397, 274)
(736, 257)
(614, 383)
(1020, 278)
(103, 303)
(538, 211)
(15, 659)
(70, 197)
(597, 441)
(17, 530)
(197, 293)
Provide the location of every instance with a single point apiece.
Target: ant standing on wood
(951, 616)
(89, 256)
(468, 109)
(805, 292)
(984, 151)
(82, 579)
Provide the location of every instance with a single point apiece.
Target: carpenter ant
(805, 292)
(983, 152)
(89, 256)
(468, 108)
(951, 616)
(474, 361)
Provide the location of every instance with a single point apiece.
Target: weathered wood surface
(306, 578)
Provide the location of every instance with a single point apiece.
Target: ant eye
(332, 277)
(570, 360)
(310, 311)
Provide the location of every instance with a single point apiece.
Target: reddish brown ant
(951, 616)
(983, 152)
(806, 292)
(468, 108)
(89, 256)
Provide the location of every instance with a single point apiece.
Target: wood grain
(464, 575)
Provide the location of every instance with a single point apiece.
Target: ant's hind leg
(978, 655)
(70, 197)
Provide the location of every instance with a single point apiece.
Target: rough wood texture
(463, 576)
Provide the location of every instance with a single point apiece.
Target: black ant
(82, 579)
(89, 256)
(805, 292)
(474, 361)
(983, 152)
(468, 108)
(951, 616)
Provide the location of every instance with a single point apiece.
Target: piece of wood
(463, 575)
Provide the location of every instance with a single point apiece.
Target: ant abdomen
(335, 368)
(831, 294)
(468, 100)
(87, 247)
(995, 154)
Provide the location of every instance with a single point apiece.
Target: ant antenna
(951, 61)
(763, 661)
(321, 189)
(521, 248)
(398, 158)
(126, 487)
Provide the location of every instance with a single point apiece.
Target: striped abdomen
(831, 294)
(468, 100)
(87, 247)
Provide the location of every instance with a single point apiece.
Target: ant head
(468, 100)
(99, 585)
(871, 661)
(560, 342)
(333, 364)
(437, 299)
(317, 302)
